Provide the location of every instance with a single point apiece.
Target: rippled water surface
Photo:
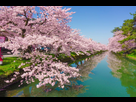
(104, 75)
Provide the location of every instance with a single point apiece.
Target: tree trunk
(28, 50)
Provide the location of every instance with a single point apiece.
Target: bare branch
(27, 19)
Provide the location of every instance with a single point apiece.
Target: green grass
(9, 66)
(132, 55)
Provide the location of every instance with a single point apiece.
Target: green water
(104, 75)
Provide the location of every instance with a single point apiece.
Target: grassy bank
(9, 66)
(130, 56)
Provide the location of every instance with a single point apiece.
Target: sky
(97, 22)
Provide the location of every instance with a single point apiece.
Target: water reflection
(71, 90)
(88, 64)
(31, 91)
(125, 70)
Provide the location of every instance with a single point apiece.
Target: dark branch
(27, 19)
(23, 31)
(12, 23)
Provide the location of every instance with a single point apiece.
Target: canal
(103, 75)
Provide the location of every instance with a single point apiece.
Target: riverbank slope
(66, 59)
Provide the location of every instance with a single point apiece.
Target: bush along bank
(78, 58)
(131, 55)
(61, 57)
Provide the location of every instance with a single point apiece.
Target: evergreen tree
(129, 30)
(116, 29)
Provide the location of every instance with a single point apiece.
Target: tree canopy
(116, 29)
(128, 29)
(48, 29)
(125, 37)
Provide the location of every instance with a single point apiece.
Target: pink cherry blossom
(48, 29)
(115, 46)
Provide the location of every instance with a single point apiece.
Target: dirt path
(10, 56)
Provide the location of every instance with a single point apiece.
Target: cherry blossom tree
(48, 29)
(115, 46)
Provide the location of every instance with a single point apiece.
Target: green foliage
(88, 51)
(116, 29)
(53, 55)
(131, 56)
(123, 46)
(134, 33)
(127, 26)
(126, 39)
(73, 53)
(61, 55)
(121, 52)
(9, 66)
(134, 15)
(128, 30)
(133, 52)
